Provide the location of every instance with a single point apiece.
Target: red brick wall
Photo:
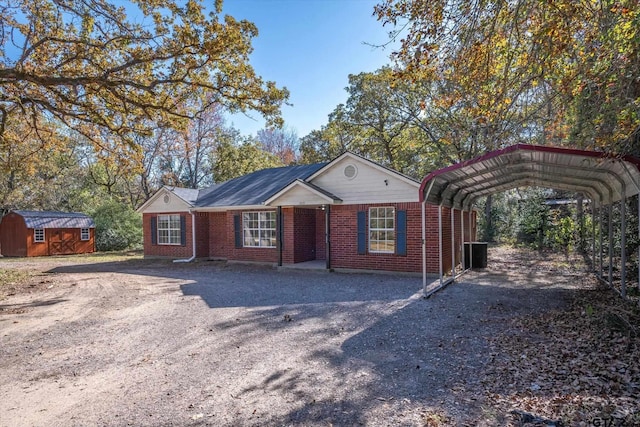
(245, 254)
(171, 251)
(202, 234)
(287, 236)
(344, 248)
(220, 237)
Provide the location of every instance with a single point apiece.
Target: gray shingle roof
(254, 188)
(187, 194)
(48, 219)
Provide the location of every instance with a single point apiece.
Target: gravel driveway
(156, 343)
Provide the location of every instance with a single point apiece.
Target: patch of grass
(109, 256)
(10, 279)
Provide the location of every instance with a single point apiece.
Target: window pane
(259, 229)
(169, 229)
(382, 229)
(38, 235)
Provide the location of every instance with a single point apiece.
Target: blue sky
(310, 47)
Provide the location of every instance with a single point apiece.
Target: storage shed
(41, 233)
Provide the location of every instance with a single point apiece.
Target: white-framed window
(382, 230)
(259, 229)
(84, 234)
(38, 235)
(169, 231)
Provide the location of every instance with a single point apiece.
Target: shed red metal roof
(602, 177)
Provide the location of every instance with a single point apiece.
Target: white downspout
(193, 239)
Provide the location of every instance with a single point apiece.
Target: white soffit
(602, 177)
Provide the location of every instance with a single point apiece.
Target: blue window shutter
(183, 230)
(362, 232)
(237, 230)
(401, 233)
(154, 230)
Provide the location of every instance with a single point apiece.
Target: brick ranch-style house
(351, 213)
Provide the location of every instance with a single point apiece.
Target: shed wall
(13, 235)
(60, 241)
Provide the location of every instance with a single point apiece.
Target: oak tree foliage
(111, 71)
(550, 72)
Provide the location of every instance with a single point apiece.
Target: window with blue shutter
(401, 233)
(183, 230)
(237, 230)
(154, 230)
(362, 232)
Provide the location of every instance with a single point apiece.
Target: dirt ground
(135, 342)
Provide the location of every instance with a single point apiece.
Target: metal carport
(604, 178)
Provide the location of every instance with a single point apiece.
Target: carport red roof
(602, 177)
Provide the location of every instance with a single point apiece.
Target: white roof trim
(164, 190)
(304, 185)
(232, 208)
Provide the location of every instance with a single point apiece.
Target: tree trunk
(488, 230)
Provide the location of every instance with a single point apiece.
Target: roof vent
(350, 171)
(167, 198)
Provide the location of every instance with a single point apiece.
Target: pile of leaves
(576, 367)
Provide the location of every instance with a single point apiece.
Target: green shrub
(118, 227)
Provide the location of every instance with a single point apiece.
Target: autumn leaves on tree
(110, 75)
(133, 96)
(562, 72)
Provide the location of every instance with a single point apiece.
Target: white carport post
(424, 240)
(637, 185)
(470, 238)
(452, 220)
(593, 234)
(424, 246)
(462, 259)
(610, 245)
(623, 245)
(600, 237)
(440, 243)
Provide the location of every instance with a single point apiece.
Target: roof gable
(300, 192)
(170, 199)
(355, 179)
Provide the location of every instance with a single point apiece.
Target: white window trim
(168, 229)
(383, 229)
(35, 235)
(83, 235)
(261, 217)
